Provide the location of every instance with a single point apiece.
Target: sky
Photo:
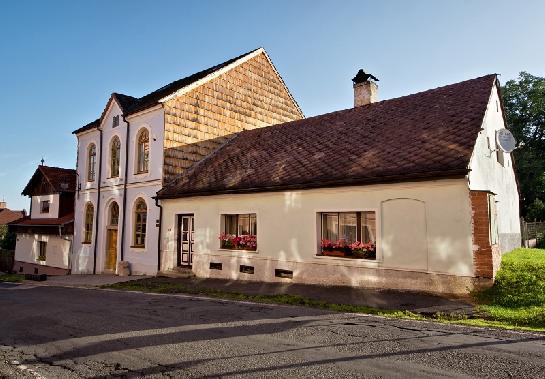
(61, 60)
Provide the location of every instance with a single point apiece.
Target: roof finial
(42, 161)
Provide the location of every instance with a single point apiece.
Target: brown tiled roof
(131, 105)
(426, 135)
(7, 216)
(60, 179)
(27, 221)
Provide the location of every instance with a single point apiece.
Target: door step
(178, 272)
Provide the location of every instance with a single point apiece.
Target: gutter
(126, 179)
(160, 229)
(98, 205)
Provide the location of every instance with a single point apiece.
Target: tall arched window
(88, 227)
(115, 153)
(114, 214)
(91, 162)
(140, 220)
(142, 151)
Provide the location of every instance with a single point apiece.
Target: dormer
(51, 190)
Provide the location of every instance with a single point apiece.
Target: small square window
(239, 231)
(115, 121)
(44, 206)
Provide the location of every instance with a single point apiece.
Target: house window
(140, 220)
(91, 162)
(44, 206)
(41, 250)
(499, 152)
(115, 153)
(142, 152)
(88, 227)
(114, 214)
(239, 231)
(115, 121)
(348, 234)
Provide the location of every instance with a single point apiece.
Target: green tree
(7, 238)
(524, 100)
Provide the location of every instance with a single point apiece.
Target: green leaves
(524, 101)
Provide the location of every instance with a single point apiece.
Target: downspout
(159, 239)
(98, 205)
(126, 179)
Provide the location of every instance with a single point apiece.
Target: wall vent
(216, 266)
(283, 273)
(246, 269)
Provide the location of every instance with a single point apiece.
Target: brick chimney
(365, 89)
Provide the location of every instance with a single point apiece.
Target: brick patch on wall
(485, 256)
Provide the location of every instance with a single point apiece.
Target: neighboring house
(7, 215)
(407, 193)
(139, 144)
(44, 238)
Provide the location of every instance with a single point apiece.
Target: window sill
(86, 243)
(138, 247)
(346, 259)
(239, 251)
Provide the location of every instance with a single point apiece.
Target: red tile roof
(60, 179)
(7, 215)
(430, 134)
(27, 221)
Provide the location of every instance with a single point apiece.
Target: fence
(6, 260)
(533, 233)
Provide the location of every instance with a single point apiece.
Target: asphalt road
(53, 332)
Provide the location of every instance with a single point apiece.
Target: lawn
(12, 278)
(516, 301)
(518, 295)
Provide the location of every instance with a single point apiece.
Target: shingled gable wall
(486, 257)
(251, 95)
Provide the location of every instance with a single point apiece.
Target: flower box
(233, 242)
(334, 253)
(355, 250)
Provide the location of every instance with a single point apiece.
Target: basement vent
(283, 273)
(246, 269)
(216, 266)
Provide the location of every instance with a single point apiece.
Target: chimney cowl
(362, 77)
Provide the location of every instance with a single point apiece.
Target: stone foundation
(33, 268)
(333, 271)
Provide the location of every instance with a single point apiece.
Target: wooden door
(185, 240)
(111, 251)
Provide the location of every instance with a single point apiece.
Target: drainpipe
(98, 205)
(126, 179)
(159, 239)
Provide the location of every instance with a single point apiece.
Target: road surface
(53, 332)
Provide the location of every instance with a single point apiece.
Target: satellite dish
(505, 140)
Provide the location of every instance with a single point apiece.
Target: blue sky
(60, 60)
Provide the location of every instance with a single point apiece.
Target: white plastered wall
(53, 206)
(487, 174)
(288, 234)
(57, 249)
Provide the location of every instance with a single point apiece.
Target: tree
(7, 238)
(524, 101)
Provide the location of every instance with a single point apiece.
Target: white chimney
(365, 89)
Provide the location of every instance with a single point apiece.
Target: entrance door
(111, 251)
(185, 240)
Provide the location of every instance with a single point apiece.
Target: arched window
(89, 216)
(140, 219)
(142, 151)
(91, 162)
(115, 153)
(114, 214)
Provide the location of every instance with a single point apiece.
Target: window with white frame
(44, 206)
(88, 226)
(115, 155)
(91, 162)
(348, 234)
(142, 152)
(140, 223)
(239, 231)
(115, 121)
